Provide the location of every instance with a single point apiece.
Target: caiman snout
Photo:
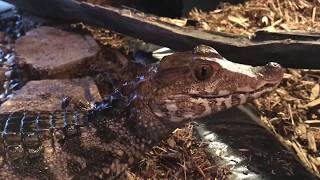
(272, 72)
(195, 84)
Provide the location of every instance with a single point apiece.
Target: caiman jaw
(195, 84)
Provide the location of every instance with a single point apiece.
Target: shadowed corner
(240, 141)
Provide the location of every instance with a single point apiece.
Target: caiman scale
(183, 87)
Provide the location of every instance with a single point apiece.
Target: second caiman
(97, 143)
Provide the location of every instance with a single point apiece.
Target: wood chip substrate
(292, 112)
(254, 15)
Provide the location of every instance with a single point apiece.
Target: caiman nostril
(274, 65)
(272, 72)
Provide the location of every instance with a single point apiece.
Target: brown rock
(46, 95)
(53, 53)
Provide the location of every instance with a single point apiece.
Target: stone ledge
(49, 52)
(46, 95)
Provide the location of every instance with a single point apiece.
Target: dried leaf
(311, 142)
(315, 92)
(239, 20)
(301, 131)
(312, 103)
(171, 142)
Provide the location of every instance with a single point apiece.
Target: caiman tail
(22, 133)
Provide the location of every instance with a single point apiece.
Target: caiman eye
(203, 72)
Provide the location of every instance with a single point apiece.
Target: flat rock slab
(53, 53)
(46, 95)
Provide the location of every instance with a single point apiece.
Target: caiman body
(183, 87)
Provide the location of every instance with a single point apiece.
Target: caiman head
(191, 85)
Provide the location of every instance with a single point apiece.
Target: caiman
(183, 87)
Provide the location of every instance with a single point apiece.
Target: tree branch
(290, 50)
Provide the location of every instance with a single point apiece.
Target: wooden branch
(297, 52)
(284, 35)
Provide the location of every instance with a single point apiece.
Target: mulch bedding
(254, 15)
(181, 156)
(292, 111)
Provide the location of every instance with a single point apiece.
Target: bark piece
(311, 142)
(46, 95)
(293, 51)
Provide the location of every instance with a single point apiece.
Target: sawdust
(292, 112)
(181, 156)
(255, 15)
(106, 38)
